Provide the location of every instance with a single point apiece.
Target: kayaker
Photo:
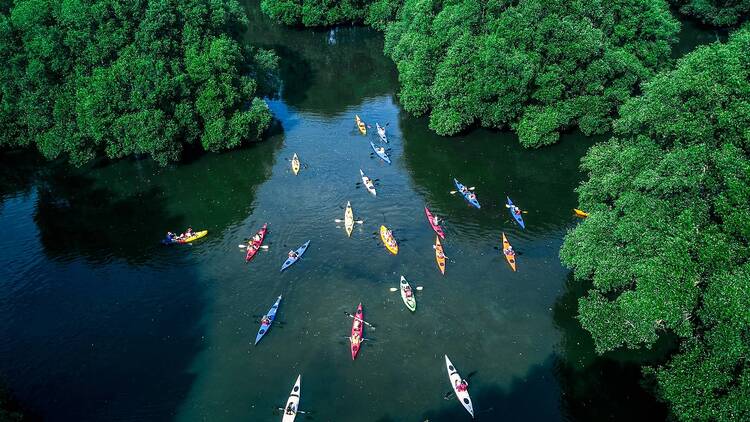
(435, 220)
(472, 196)
(256, 238)
(188, 232)
(265, 320)
(462, 385)
(293, 255)
(356, 324)
(509, 251)
(251, 248)
(464, 189)
(171, 236)
(290, 409)
(440, 254)
(515, 210)
(407, 291)
(355, 338)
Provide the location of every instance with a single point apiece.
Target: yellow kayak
(388, 240)
(195, 236)
(439, 255)
(509, 254)
(295, 164)
(361, 125)
(580, 213)
(348, 219)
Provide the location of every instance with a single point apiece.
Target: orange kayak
(388, 240)
(511, 258)
(579, 213)
(439, 255)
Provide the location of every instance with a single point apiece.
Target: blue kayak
(271, 316)
(381, 153)
(291, 261)
(517, 217)
(473, 201)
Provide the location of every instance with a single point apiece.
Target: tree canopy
(327, 12)
(536, 66)
(84, 78)
(666, 244)
(715, 12)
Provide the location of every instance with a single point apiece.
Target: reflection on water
(102, 323)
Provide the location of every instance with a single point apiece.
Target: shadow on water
(18, 169)
(602, 387)
(308, 56)
(76, 217)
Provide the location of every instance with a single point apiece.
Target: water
(100, 322)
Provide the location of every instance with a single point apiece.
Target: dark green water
(100, 322)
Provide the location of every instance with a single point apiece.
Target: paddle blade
(420, 288)
(242, 246)
(393, 289)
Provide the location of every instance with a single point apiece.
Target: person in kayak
(265, 320)
(171, 237)
(509, 251)
(407, 291)
(290, 409)
(471, 196)
(293, 255)
(355, 338)
(256, 238)
(462, 386)
(515, 210)
(440, 254)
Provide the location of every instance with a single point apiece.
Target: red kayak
(435, 227)
(358, 328)
(254, 246)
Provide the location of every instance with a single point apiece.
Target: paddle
(508, 206)
(356, 221)
(298, 411)
(245, 246)
(453, 192)
(360, 319)
(362, 339)
(395, 289)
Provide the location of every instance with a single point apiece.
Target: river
(100, 322)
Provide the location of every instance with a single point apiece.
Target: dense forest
(666, 246)
(118, 78)
(537, 67)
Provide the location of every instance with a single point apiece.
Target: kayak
(409, 301)
(293, 403)
(368, 183)
(271, 316)
(361, 125)
(381, 153)
(434, 226)
(252, 251)
(579, 213)
(439, 251)
(455, 378)
(194, 237)
(291, 261)
(470, 197)
(381, 132)
(295, 164)
(510, 258)
(517, 217)
(387, 236)
(348, 219)
(358, 328)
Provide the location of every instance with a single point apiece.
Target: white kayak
(381, 133)
(455, 379)
(292, 405)
(368, 183)
(409, 300)
(348, 219)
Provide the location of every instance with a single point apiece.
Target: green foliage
(666, 244)
(331, 12)
(715, 12)
(83, 78)
(538, 67)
